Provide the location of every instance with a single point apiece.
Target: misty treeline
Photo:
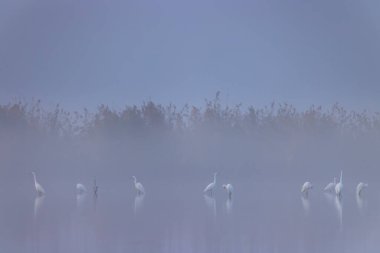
(158, 139)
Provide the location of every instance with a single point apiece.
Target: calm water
(177, 217)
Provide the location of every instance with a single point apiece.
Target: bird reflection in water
(139, 201)
(95, 194)
(339, 209)
(229, 189)
(38, 202)
(361, 201)
(229, 204)
(305, 204)
(211, 203)
(80, 200)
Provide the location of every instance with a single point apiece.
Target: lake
(174, 216)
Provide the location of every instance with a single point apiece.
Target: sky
(84, 53)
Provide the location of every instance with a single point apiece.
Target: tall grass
(149, 117)
(210, 137)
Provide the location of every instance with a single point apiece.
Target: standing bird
(229, 188)
(339, 185)
(306, 187)
(361, 186)
(81, 189)
(211, 187)
(139, 187)
(330, 186)
(40, 191)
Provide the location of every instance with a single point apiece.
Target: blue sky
(83, 53)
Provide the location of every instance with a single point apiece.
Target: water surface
(175, 216)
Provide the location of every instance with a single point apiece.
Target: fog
(190, 143)
(266, 153)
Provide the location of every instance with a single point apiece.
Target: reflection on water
(361, 202)
(95, 201)
(211, 203)
(339, 210)
(330, 197)
(139, 201)
(95, 188)
(81, 198)
(254, 220)
(229, 204)
(38, 202)
(305, 204)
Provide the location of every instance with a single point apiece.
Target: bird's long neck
(135, 180)
(214, 178)
(341, 177)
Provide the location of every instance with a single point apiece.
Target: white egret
(330, 186)
(211, 187)
(339, 185)
(229, 188)
(361, 186)
(139, 187)
(81, 189)
(40, 191)
(306, 187)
